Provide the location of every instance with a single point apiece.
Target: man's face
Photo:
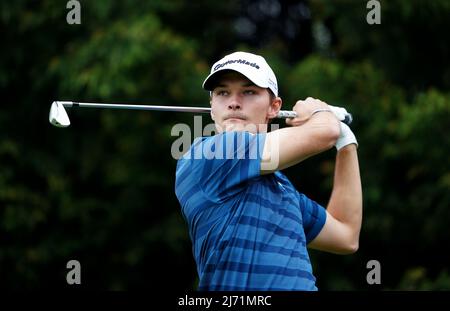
(239, 105)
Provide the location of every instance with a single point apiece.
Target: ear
(275, 107)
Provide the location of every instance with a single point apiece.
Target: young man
(249, 226)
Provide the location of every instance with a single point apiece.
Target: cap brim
(211, 80)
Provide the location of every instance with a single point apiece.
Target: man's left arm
(340, 233)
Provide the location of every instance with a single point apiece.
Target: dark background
(102, 190)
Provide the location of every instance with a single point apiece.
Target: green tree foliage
(409, 44)
(101, 191)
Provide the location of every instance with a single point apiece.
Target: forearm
(291, 145)
(346, 199)
(313, 137)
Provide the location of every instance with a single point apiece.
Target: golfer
(250, 228)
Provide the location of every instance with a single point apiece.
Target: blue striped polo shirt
(249, 231)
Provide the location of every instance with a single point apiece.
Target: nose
(234, 103)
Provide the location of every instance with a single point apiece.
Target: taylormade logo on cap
(240, 61)
(252, 66)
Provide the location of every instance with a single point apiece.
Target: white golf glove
(346, 138)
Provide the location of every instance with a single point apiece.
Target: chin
(234, 128)
(239, 126)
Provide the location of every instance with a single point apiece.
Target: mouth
(235, 117)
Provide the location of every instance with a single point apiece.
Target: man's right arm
(311, 133)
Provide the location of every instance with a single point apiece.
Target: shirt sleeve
(314, 216)
(223, 163)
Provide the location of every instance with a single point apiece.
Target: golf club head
(58, 115)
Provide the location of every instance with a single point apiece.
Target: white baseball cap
(252, 66)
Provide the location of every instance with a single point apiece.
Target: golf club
(58, 115)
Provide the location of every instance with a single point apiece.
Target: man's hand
(346, 138)
(306, 109)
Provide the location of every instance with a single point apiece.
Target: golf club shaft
(283, 114)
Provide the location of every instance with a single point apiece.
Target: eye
(249, 92)
(221, 93)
